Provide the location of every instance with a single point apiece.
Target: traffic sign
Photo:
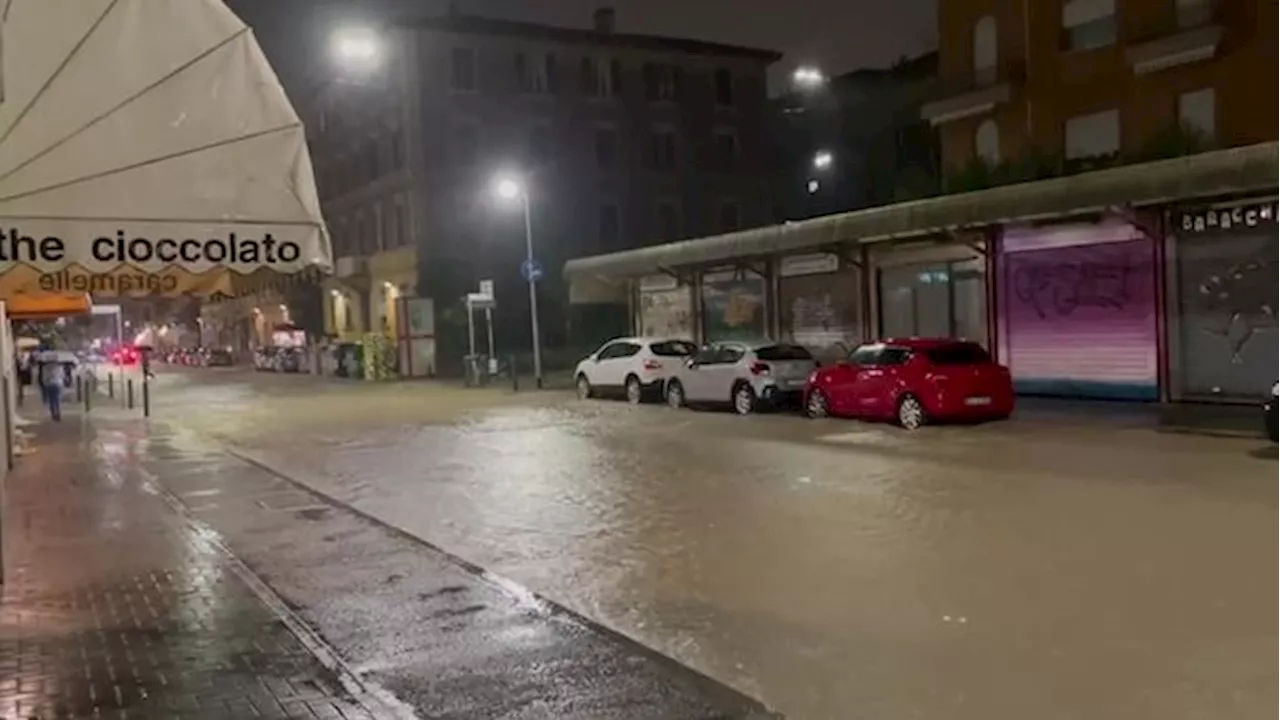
(486, 288)
(531, 270)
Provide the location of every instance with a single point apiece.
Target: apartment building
(1084, 79)
(619, 140)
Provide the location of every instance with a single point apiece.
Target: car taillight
(759, 368)
(652, 364)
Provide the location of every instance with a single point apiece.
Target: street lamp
(356, 48)
(808, 77)
(510, 188)
(822, 160)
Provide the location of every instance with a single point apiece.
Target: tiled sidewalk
(114, 606)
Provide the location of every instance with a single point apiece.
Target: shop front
(820, 304)
(734, 306)
(933, 291)
(1078, 311)
(1222, 278)
(665, 307)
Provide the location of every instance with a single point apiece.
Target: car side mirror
(691, 364)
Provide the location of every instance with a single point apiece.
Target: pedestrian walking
(51, 375)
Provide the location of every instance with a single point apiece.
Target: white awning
(147, 138)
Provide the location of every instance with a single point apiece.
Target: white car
(744, 375)
(635, 368)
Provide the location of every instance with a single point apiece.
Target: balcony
(350, 267)
(1191, 35)
(973, 94)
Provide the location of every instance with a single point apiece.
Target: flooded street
(832, 569)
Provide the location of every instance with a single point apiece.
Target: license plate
(792, 383)
(977, 401)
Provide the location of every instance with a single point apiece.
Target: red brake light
(759, 368)
(652, 364)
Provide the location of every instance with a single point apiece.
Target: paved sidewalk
(115, 606)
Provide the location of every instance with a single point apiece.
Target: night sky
(839, 35)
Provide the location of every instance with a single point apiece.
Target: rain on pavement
(832, 569)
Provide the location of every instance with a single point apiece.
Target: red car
(912, 381)
(127, 355)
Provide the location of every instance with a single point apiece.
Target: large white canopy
(151, 134)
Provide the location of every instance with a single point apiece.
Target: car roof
(919, 343)
(650, 339)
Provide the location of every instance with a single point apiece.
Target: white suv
(636, 368)
(745, 375)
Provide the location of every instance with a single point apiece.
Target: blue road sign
(531, 270)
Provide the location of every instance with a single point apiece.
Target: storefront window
(733, 306)
(822, 311)
(945, 299)
(1223, 302)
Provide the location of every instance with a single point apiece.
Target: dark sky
(839, 35)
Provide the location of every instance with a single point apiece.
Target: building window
(661, 82)
(596, 78)
(610, 227)
(668, 221)
(724, 87)
(986, 142)
(397, 149)
(462, 76)
(1088, 24)
(1196, 113)
(729, 220)
(550, 74)
(662, 151)
(540, 150)
(401, 238)
(532, 77)
(466, 144)
(606, 148)
(1093, 135)
(615, 77)
(726, 150)
(1193, 13)
(985, 50)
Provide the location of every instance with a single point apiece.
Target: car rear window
(780, 353)
(673, 348)
(958, 354)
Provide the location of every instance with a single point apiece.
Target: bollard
(128, 394)
(111, 386)
(146, 397)
(79, 387)
(90, 386)
(515, 375)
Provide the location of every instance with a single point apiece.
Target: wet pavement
(114, 607)
(833, 569)
(317, 609)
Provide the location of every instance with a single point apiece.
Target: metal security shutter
(1226, 315)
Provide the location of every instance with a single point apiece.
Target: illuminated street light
(808, 77)
(508, 187)
(357, 48)
(813, 186)
(822, 160)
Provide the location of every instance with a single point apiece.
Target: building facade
(1082, 80)
(619, 141)
(1131, 255)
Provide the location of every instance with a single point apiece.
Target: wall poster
(820, 305)
(666, 308)
(733, 306)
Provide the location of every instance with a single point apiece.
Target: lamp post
(509, 188)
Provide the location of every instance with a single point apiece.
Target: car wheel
(910, 412)
(635, 393)
(816, 405)
(584, 387)
(744, 399)
(675, 394)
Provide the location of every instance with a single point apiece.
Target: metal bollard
(146, 398)
(90, 386)
(79, 387)
(515, 375)
(111, 385)
(128, 395)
